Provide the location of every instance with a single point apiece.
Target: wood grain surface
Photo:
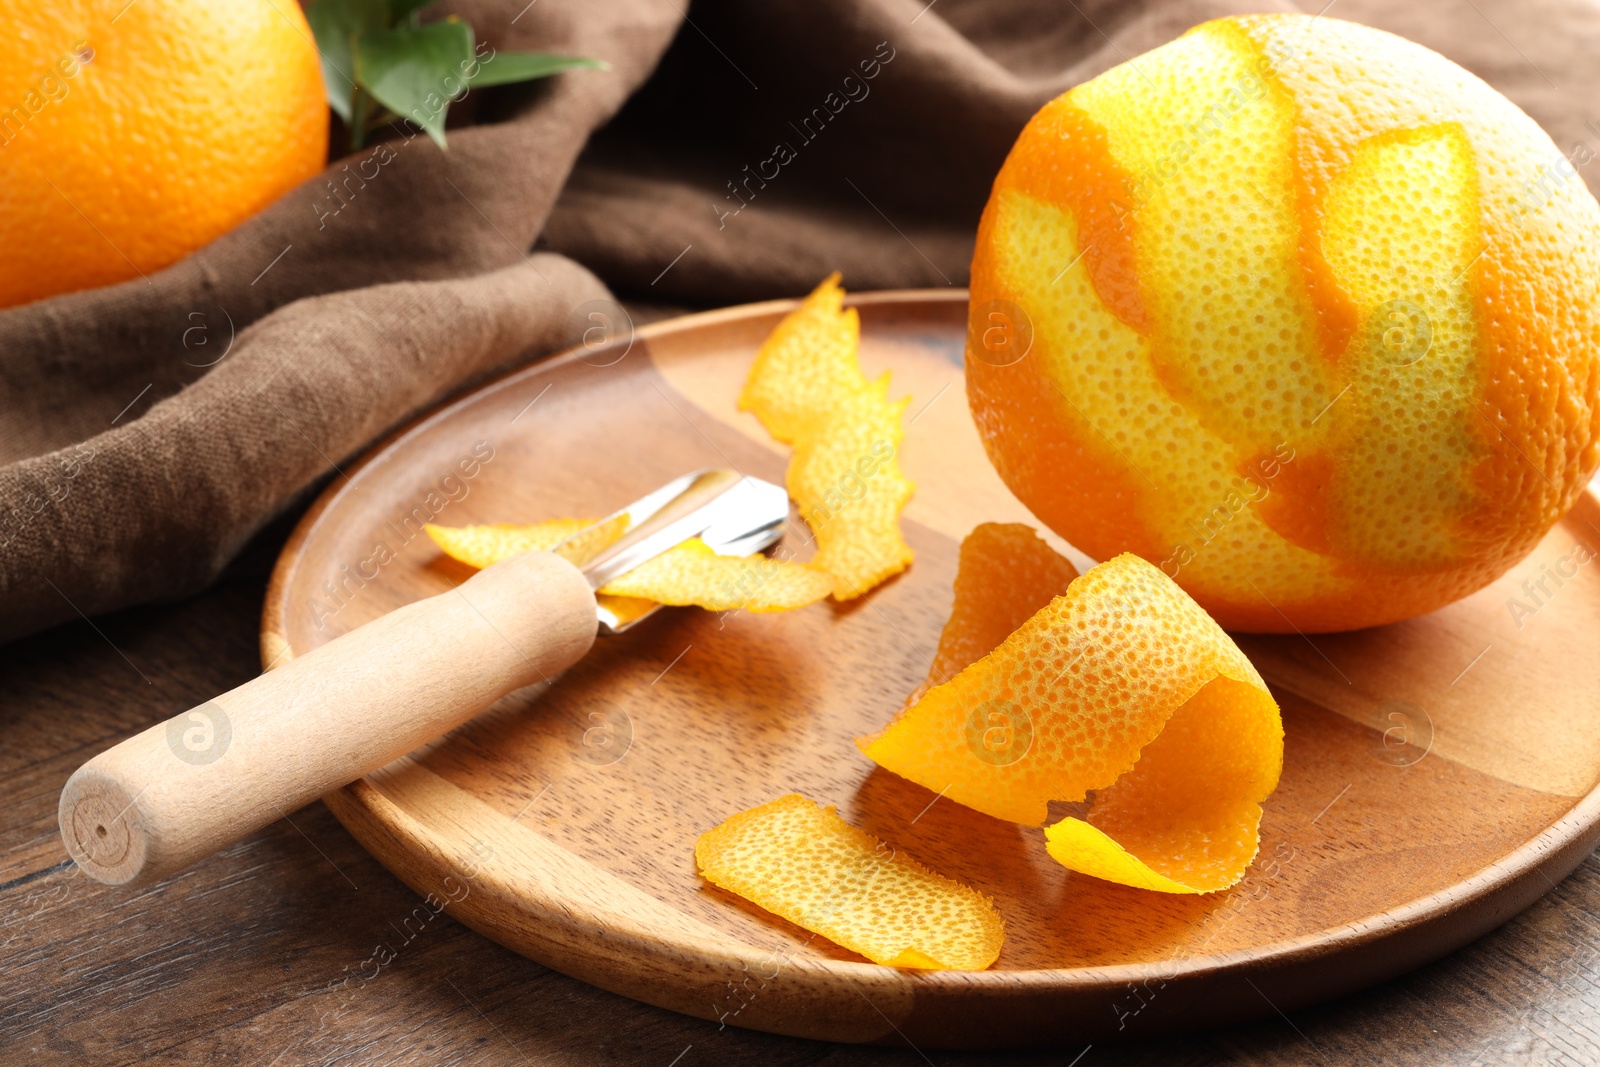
(260, 956)
(1438, 773)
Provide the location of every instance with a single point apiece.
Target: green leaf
(404, 9)
(336, 24)
(503, 68)
(415, 70)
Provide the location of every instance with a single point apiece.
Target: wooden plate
(1439, 775)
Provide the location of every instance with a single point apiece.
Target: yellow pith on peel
(1308, 327)
(693, 574)
(807, 865)
(1121, 686)
(808, 390)
(690, 574)
(480, 546)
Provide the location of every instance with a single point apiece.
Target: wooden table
(266, 954)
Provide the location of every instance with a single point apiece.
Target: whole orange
(132, 133)
(1298, 310)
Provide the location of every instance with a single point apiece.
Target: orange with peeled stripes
(1313, 317)
(132, 134)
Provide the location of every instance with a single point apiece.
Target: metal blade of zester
(734, 514)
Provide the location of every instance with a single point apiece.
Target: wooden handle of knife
(187, 787)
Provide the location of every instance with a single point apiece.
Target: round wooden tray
(1439, 774)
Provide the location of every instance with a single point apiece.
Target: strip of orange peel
(806, 864)
(1121, 686)
(690, 574)
(807, 388)
(480, 546)
(1005, 574)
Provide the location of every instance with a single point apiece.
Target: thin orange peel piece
(1005, 574)
(805, 864)
(693, 574)
(807, 388)
(480, 546)
(690, 574)
(807, 361)
(1124, 687)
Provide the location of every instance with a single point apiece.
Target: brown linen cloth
(137, 463)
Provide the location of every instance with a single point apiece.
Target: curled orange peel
(690, 574)
(1005, 574)
(805, 864)
(807, 388)
(1122, 687)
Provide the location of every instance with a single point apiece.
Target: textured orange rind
(1313, 322)
(805, 864)
(690, 574)
(481, 546)
(138, 134)
(693, 574)
(1122, 687)
(1005, 575)
(807, 361)
(807, 388)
